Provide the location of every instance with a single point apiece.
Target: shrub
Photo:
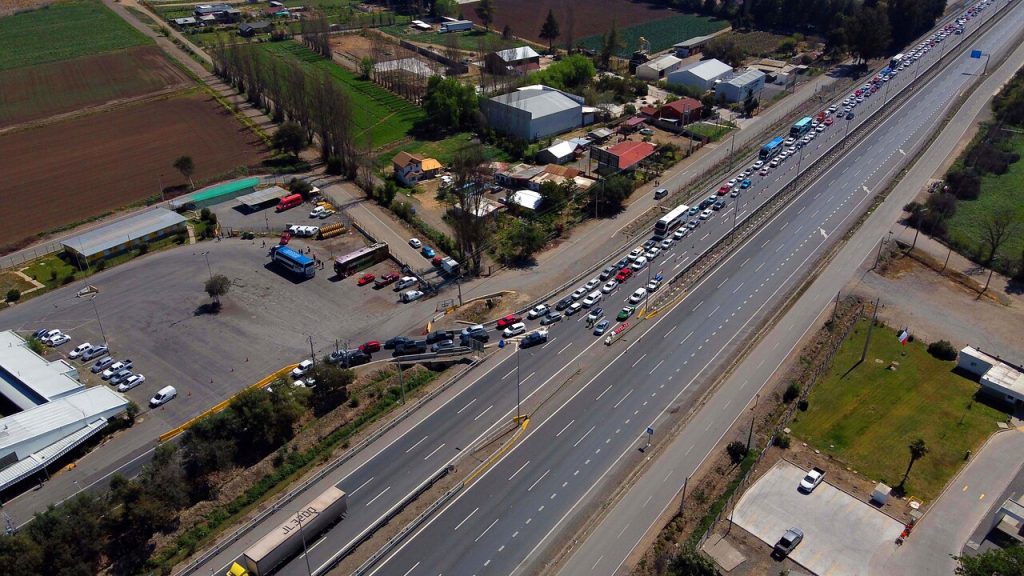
(942, 350)
(791, 393)
(737, 450)
(204, 214)
(802, 405)
(13, 295)
(68, 279)
(143, 248)
(101, 265)
(782, 441)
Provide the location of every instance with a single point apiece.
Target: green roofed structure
(215, 194)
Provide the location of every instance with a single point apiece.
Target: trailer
(456, 26)
(291, 536)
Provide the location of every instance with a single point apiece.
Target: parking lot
(842, 535)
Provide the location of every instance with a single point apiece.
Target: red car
(436, 261)
(723, 190)
(509, 320)
(386, 279)
(365, 279)
(370, 347)
(285, 237)
(624, 275)
(828, 121)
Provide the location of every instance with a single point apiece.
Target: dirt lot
(35, 92)
(74, 170)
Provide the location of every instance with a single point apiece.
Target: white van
(405, 282)
(165, 395)
(592, 298)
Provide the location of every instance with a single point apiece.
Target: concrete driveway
(841, 533)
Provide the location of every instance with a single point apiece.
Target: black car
(718, 206)
(534, 338)
(849, 116)
(394, 342)
(564, 303)
(622, 263)
(477, 334)
(440, 336)
(352, 358)
(608, 272)
(650, 244)
(705, 203)
(414, 347)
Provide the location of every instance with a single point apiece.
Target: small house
(248, 30)
(674, 115)
(736, 88)
(656, 69)
(520, 61)
(410, 169)
(622, 157)
(558, 153)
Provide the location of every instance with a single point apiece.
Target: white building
(998, 380)
(533, 112)
(701, 75)
(656, 69)
(558, 153)
(526, 198)
(737, 87)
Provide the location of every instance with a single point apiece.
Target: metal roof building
(27, 379)
(533, 112)
(736, 88)
(657, 69)
(123, 235)
(214, 194)
(701, 75)
(526, 198)
(261, 197)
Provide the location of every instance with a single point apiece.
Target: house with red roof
(674, 115)
(622, 157)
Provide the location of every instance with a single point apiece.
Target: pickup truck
(811, 480)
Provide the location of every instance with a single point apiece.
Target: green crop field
(661, 33)
(865, 414)
(61, 32)
(381, 117)
(475, 40)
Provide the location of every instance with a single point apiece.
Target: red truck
(290, 201)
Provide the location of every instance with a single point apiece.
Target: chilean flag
(904, 336)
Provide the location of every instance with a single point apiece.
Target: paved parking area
(841, 534)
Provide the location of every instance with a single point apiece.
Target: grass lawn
(381, 117)
(61, 32)
(50, 270)
(10, 281)
(865, 415)
(475, 40)
(441, 150)
(712, 132)
(661, 33)
(999, 194)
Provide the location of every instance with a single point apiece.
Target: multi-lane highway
(502, 524)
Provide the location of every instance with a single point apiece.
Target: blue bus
(800, 128)
(769, 150)
(293, 261)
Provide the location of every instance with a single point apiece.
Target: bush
(13, 295)
(204, 214)
(143, 248)
(802, 405)
(101, 265)
(782, 441)
(791, 393)
(942, 350)
(737, 451)
(67, 279)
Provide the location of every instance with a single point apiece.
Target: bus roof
(775, 142)
(358, 253)
(675, 213)
(803, 121)
(299, 258)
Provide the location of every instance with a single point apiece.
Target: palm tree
(918, 450)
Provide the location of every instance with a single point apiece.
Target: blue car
(428, 252)
(745, 184)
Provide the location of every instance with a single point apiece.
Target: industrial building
(123, 235)
(533, 112)
(213, 195)
(521, 60)
(263, 198)
(700, 75)
(658, 68)
(999, 380)
(737, 87)
(691, 46)
(57, 413)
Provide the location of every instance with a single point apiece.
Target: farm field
(35, 92)
(381, 118)
(100, 162)
(662, 33)
(63, 31)
(755, 42)
(471, 40)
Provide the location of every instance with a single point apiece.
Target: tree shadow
(1015, 286)
(208, 308)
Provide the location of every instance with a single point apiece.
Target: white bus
(669, 222)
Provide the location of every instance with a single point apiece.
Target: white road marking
(616, 406)
(603, 393)
(482, 413)
(361, 485)
(585, 435)
(535, 482)
(566, 426)
(434, 452)
(409, 571)
(378, 495)
(486, 530)
(466, 406)
(656, 367)
(639, 359)
(564, 349)
(413, 447)
(687, 338)
(527, 463)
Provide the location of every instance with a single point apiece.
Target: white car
(609, 286)
(594, 283)
(681, 233)
(49, 335)
(132, 381)
(579, 293)
(303, 367)
(635, 253)
(653, 285)
(415, 243)
(775, 163)
(59, 339)
(114, 369)
(637, 295)
(706, 214)
(591, 299)
(639, 263)
(538, 311)
(820, 128)
(666, 243)
(79, 350)
(758, 164)
(316, 212)
(411, 295)
(514, 330)
(732, 182)
(653, 253)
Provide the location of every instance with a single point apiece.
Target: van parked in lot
(165, 395)
(405, 282)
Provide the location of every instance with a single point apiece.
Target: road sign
(976, 54)
(501, 343)
(650, 430)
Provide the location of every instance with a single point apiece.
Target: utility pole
(401, 382)
(917, 230)
(871, 326)
(97, 311)
(305, 550)
(750, 434)
(518, 382)
(206, 255)
(312, 353)
(835, 310)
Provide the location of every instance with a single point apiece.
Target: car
(303, 367)
(442, 346)
(637, 295)
(414, 347)
(746, 183)
(595, 313)
(849, 116)
(706, 214)
(371, 346)
(622, 263)
(811, 136)
(131, 382)
(79, 350)
(573, 308)
(591, 299)
(593, 283)
(365, 279)
(389, 278)
(121, 376)
(392, 343)
(828, 121)
(723, 190)
(647, 132)
(316, 212)
(660, 193)
(758, 164)
(811, 480)
(787, 543)
(350, 358)
(415, 243)
(693, 224)
(551, 318)
(625, 313)
(734, 194)
(326, 214)
(705, 203)
(94, 352)
(564, 303)
(577, 294)
(534, 338)
(653, 253)
(650, 244)
(775, 162)
(639, 263)
(476, 332)
(718, 206)
(782, 156)
(428, 252)
(636, 253)
(680, 234)
(411, 296)
(665, 244)
(608, 272)
(732, 182)
(165, 395)
(624, 275)
(58, 340)
(115, 368)
(693, 211)
(600, 327)
(405, 282)
(609, 287)
(653, 286)
(538, 311)
(41, 333)
(101, 365)
(764, 171)
(514, 330)
(789, 141)
(508, 320)
(336, 356)
(436, 261)
(286, 237)
(820, 128)
(747, 172)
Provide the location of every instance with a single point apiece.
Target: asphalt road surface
(502, 523)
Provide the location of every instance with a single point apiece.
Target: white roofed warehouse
(123, 235)
(533, 112)
(701, 75)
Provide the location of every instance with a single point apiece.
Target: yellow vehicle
(237, 570)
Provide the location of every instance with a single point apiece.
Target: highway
(503, 523)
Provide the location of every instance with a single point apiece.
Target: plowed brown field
(70, 171)
(583, 18)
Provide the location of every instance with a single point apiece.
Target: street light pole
(207, 256)
(518, 382)
(97, 311)
(750, 434)
(917, 230)
(305, 550)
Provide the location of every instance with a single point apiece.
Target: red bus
(289, 202)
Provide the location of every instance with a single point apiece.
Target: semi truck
(292, 535)
(456, 26)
